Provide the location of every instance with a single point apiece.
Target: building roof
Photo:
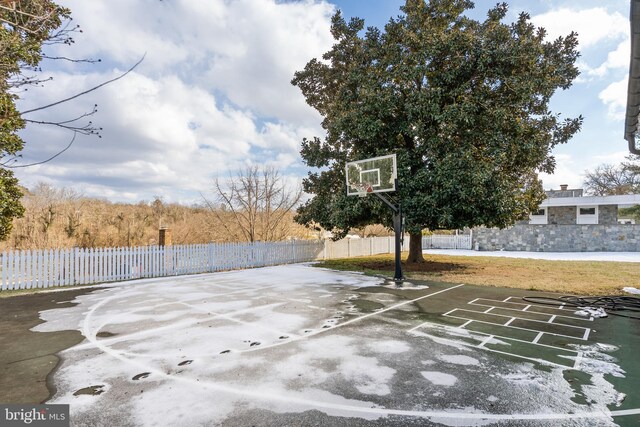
(633, 91)
(625, 200)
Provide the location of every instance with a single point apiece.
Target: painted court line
(537, 338)
(509, 321)
(578, 361)
(486, 340)
(585, 319)
(515, 327)
(465, 324)
(348, 322)
(548, 307)
(552, 319)
(436, 325)
(489, 309)
(523, 341)
(174, 325)
(466, 344)
(518, 318)
(526, 308)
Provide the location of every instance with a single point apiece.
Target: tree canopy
(464, 104)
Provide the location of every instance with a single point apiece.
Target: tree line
(255, 204)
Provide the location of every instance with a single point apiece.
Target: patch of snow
(406, 286)
(631, 290)
(246, 335)
(367, 375)
(596, 312)
(593, 361)
(439, 378)
(389, 346)
(459, 359)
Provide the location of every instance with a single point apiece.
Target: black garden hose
(612, 304)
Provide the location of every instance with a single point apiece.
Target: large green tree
(464, 104)
(25, 26)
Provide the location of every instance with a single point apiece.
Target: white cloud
(213, 94)
(246, 49)
(592, 25)
(566, 172)
(160, 136)
(616, 59)
(614, 96)
(571, 171)
(613, 158)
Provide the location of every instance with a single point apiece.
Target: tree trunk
(415, 248)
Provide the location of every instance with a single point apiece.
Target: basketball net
(363, 188)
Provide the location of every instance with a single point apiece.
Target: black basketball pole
(397, 228)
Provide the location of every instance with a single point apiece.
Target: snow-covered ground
(557, 256)
(294, 345)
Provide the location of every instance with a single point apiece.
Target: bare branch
(49, 159)
(64, 58)
(87, 91)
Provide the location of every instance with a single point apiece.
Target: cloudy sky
(213, 93)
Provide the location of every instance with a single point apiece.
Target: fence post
(3, 285)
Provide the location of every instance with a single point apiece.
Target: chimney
(164, 239)
(564, 187)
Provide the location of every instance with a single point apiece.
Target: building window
(538, 217)
(587, 215)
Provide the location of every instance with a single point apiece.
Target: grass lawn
(566, 277)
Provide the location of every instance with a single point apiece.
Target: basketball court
(299, 345)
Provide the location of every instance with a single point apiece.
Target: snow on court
(278, 341)
(439, 378)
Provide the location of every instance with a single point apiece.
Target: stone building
(567, 221)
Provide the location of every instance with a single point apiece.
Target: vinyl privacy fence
(447, 241)
(78, 266)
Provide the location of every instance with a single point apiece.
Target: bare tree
(609, 179)
(255, 204)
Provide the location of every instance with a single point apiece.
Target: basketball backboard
(374, 175)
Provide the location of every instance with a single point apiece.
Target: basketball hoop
(362, 188)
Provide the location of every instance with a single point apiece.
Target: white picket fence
(77, 266)
(447, 241)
